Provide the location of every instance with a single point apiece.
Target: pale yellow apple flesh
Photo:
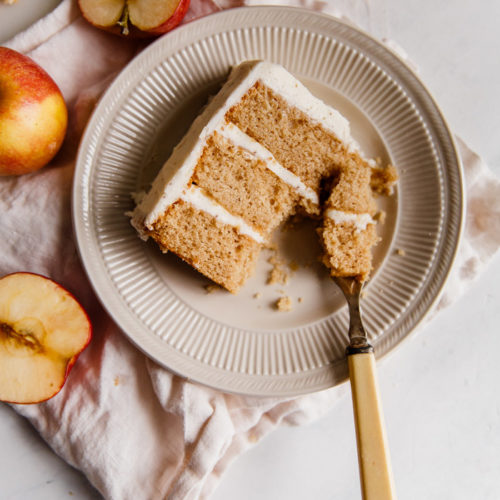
(102, 13)
(149, 14)
(43, 329)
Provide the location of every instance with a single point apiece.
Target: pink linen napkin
(136, 430)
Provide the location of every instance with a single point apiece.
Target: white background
(440, 389)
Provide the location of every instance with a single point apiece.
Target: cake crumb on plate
(380, 216)
(278, 273)
(284, 304)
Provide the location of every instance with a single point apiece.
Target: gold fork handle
(373, 451)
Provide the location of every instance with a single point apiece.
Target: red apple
(43, 329)
(134, 17)
(33, 115)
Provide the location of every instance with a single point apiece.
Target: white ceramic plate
(241, 343)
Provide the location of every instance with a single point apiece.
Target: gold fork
(373, 451)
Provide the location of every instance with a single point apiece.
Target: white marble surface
(440, 390)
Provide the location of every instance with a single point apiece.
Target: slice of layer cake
(259, 152)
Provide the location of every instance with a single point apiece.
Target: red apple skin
(172, 22)
(71, 362)
(33, 115)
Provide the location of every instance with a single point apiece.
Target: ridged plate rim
(296, 380)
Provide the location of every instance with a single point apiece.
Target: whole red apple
(33, 115)
(134, 17)
(43, 329)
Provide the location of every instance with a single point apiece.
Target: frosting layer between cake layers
(198, 199)
(360, 221)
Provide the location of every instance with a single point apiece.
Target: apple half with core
(134, 17)
(43, 329)
(33, 115)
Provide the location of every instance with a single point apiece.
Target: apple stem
(124, 21)
(27, 339)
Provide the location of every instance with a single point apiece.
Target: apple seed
(20, 337)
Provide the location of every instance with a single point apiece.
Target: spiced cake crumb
(278, 273)
(383, 179)
(380, 216)
(284, 304)
(212, 287)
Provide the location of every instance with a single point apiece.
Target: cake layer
(214, 248)
(241, 183)
(347, 247)
(299, 143)
(351, 191)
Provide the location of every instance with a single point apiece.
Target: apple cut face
(134, 17)
(148, 15)
(43, 329)
(102, 13)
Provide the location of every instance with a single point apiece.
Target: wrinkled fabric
(133, 428)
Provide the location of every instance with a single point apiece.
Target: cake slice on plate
(261, 150)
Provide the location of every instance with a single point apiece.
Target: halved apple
(43, 329)
(134, 17)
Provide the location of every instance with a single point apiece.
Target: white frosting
(177, 171)
(195, 196)
(244, 141)
(359, 220)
